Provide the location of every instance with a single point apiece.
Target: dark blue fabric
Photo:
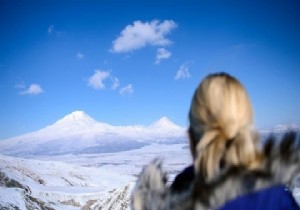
(184, 179)
(274, 198)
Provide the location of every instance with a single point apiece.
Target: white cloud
(80, 55)
(141, 34)
(162, 53)
(34, 89)
(183, 72)
(126, 90)
(97, 80)
(115, 83)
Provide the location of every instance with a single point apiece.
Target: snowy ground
(175, 157)
(35, 184)
(82, 181)
(85, 181)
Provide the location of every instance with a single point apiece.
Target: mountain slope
(33, 184)
(78, 133)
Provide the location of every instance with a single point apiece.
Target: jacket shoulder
(272, 198)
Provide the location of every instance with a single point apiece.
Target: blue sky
(132, 62)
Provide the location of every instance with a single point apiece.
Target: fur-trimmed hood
(281, 167)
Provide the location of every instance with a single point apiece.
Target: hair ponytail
(221, 132)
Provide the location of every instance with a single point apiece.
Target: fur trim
(150, 190)
(281, 166)
(283, 158)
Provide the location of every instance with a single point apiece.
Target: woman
(230, 169)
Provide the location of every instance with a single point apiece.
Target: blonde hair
(221, 126)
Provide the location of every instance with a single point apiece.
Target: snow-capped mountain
(75, 119)
(78, 133)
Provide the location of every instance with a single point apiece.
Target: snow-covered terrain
(79, 163)
(102, 181)
(33, 184)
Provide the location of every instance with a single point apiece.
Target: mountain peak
(165, 119)
(164, 122)
(76, 117)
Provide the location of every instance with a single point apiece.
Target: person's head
(221, 130)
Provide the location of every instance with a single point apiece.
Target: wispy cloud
(100, 79)
(127, 90)
(183, 72)
(162, 53)
(115, 83)
(80, 56)
(33, 89)
(20, 85)
(141, 34)
(96, 81)
(53, 31)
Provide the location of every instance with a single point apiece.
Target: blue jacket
(273, 198)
